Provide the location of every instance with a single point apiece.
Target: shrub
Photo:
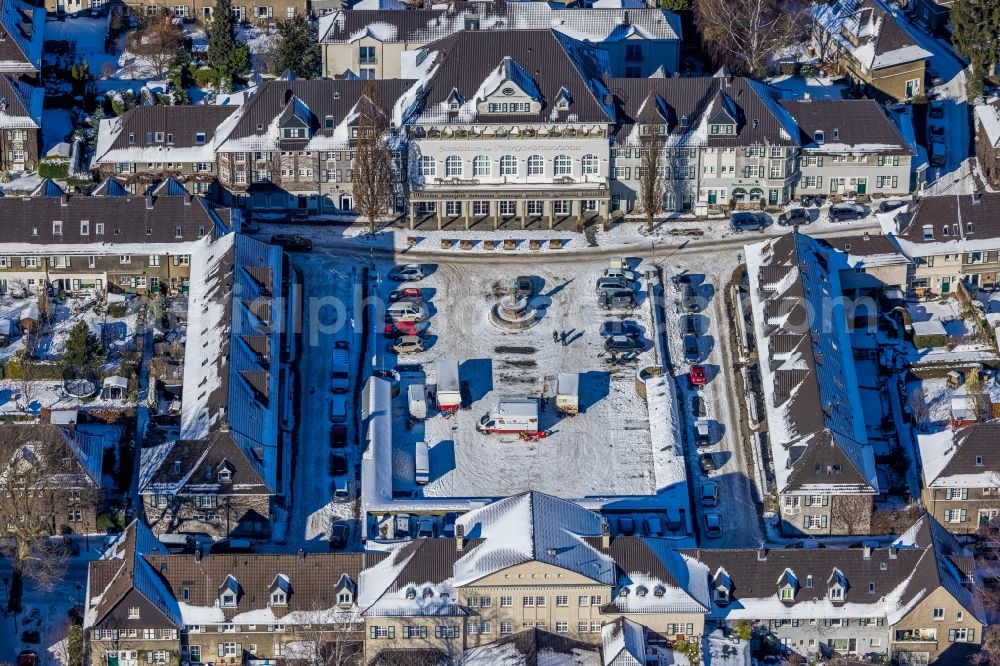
(54, 169)
(204, 77)
(117, 310)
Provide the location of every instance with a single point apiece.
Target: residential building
(849, 148)
(521, 134)
(951, 238)
(111, 241)
(934, 14)
(868, 265)
(20, 124)
(258, 12)
(911, 601)
(823, 463)
(369, 43)
(863, 40)
(960, 474)
(988, 140)
(22, 32)
(227, 465)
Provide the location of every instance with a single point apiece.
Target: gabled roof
(20, 104)
(533, 647)
(141, 134)
(817, 432)
(60, 457)
(966, 458)
(655, 578)
(533, 527)
(869, 32)
(23, 29)
(199, 463)
(989, 118)
(848, 126)
(951, 224)
(624, 643)
(110, 187)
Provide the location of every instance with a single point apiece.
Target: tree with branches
(332, 638)
(373, 177)
(743, 34)
(850, 514)
(158, 43)
(228, 56)
(651, 183)
(976, 35)
(296, 50)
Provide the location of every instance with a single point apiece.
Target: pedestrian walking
(555, 336)
(562, 338)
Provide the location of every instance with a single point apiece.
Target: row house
(525, 573)
(107, 241)
(225, 469)
(867, 264)
(988, 141)
(369, 43)
(961, 476)
(20, 124)
(264, 13)
(951, 239)
(862, 39)
(911, 601)
(823, 463)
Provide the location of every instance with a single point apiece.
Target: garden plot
(603, 451)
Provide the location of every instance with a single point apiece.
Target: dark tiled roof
(110, 187)
(760, 118)
(977, 441)
(410, 657)
(551, 61)
(182, 122)
(196, 458)
(538, 647)
(17, 97)
(20, 43)
(979, 210)
(863, 245)
(852, 122)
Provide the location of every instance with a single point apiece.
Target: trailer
(416, 399)
(422, 464)
(511, 416)
(449, 393)
(568, 393)
(340, 381)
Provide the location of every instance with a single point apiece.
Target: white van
(341, 493)
(406, 311)
(422, 463)
(416, 398)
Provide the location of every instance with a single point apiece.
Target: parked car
(696, 374)
(341, 492)
(702, 433)
(937, 110)
(697, 405)
(707, 462)
(689, 297)
(338, 408)
(525, 286)
(408, 344)
(653, 527)
(625, 327)
(338, 464)
(624, 273)
(713, 524)
(448, 525)
(690, 325)
(338, 436)
(231, 546)
(709, 493)
(616, 299)
(292, 242)
(426, 527)
(692, 352)
(610, 283)
(626, 525)
(407, 273)
(340, 530)
(794, 217)
(890, 205)
(401, 328)
(623, 344)
(406, 293)
(406, 311)
(936, 133)
(841, 212)
(747, 221)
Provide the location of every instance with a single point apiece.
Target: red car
(401, 328)
(697, 375)
(27, 658)
(405, 292)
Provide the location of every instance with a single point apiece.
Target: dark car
(338, 465)
(338, 436)
(626, 327)
(690, 325)
(841, 212)
(231, 546)
(747, 221)
(616, 298)
(448, 525)
(890, 205)
(692, 351)
(27, 658)
(623, 343)
(292, 242)
(707, 462)
(794, 217)
(339, 533)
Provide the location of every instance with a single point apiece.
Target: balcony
(915, 636)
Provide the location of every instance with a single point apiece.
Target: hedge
(56, 170)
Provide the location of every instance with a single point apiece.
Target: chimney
(762, 554)
(977, 198)
(459, 537)
(551, 551)
(868, 552)
(892, 552)
(301, 554)
(64, 200)
(187, 199)
(197, 555)
(605, 535)
(149, 202)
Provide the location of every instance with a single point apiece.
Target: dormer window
(228, 599)
(411, 593)
(177, 467)
(928, 232)
(279, 598)
(722, 129)
(345, 598)
(640, 591)
(328, 122)
(819, 137)
(836, 593)
(208, 471)
(225, 476)
(944, 230)
(293, 133)
(159, 137)
(786, 593)
(979, 461)
(280, 590)
(684, 121)
(199, 137)
(721, 595)
(836, 134)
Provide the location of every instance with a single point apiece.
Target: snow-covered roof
(162, 133)
(23, 27)
(989, 119)
(533, 527)
(845, 126)
(965, 458)
(624, 643)
(20, 104)
(950, 224)
(815, 422)
(868, 32)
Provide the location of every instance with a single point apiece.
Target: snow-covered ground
(797, 87)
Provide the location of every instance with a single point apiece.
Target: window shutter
(971, 638)
(951, 635)
(822, 521)
(221, 650)
(149, 657)
(826, 500)
(423, 631)
(965, 494)
(947, 514)
(392, 632)
(239, 650)
(373, 631)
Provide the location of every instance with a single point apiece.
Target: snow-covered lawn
(948, 311)
(603, 451)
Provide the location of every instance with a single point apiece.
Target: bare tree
(28, 381)
(333, 637)
(743, 34)
(919, 407)
(157, 42)
(850, 514)
(651, 184)
(373, 169)
(989, 653)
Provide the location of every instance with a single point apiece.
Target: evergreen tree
(227, 56)
(976, 35)
(675, 5)
(82, 347)
(296, 50)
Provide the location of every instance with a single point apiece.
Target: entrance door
(945, 285)
(711, 197)
(862, 185)
(772, 197)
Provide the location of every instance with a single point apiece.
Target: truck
(568, 393)
(416, 399)
(340, 382)
(422, 464)
(511, 416)
(449, 392)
